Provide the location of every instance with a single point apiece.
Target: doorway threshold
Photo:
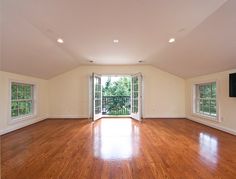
(116, 116)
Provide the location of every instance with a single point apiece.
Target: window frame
(195, 98)
(12, 120)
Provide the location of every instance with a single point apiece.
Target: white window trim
(14, 120)
(193, 102)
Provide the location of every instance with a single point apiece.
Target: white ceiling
(204, 32)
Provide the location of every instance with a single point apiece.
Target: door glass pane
(135, 87)
(135, 94)
(97, 103)
(97, 110)
(135, 105)
(97, 95)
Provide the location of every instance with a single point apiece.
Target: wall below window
(164, 93)
(42, 101)
(227, 105)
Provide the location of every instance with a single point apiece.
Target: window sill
(212, 119)
(21, 118)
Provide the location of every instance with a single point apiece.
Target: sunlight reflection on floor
(208, 148)
(116, 139)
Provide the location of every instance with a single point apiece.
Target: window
(22, 100)
(205, 103)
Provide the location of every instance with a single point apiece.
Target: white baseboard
(213, 125)
(22, 124)
(86, 117)
(69, 116)
(163, 117)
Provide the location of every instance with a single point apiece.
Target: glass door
(97, 97)
(136, 96)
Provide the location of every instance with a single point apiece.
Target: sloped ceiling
(204, 32)
(209, 48)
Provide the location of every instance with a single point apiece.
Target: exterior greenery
(206, 99)
(116, 96)
(21, 99)
(121, 87)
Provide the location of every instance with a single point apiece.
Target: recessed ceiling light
(59, 40)
(172, 40)
(116, 41)
(140, 61)
(91, 61)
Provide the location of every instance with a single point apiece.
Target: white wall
(42, 101)
(227, 105)
(164, 94)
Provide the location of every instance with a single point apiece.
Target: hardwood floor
(118, 148)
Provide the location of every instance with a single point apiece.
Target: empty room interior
(118, 89)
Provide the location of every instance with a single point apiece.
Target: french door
(136, 96)
(97, 96)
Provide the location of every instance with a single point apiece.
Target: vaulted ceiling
(204, 31)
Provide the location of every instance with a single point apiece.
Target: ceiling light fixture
(59, 40)
(116, 41)
(172, 40)
(140, 61)
(91, 61)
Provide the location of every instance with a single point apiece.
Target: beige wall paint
(42, 101)
(227, 105)
(164, 94)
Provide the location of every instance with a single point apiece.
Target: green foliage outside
(116, 96)
(120, 87)
(207, 99)
(21, 99)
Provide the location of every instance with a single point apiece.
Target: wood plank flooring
(118, 148)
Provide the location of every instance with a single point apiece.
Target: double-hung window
(22, 100)
(205, 100)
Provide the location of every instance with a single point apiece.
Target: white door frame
(98, 115)
(137, 115)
